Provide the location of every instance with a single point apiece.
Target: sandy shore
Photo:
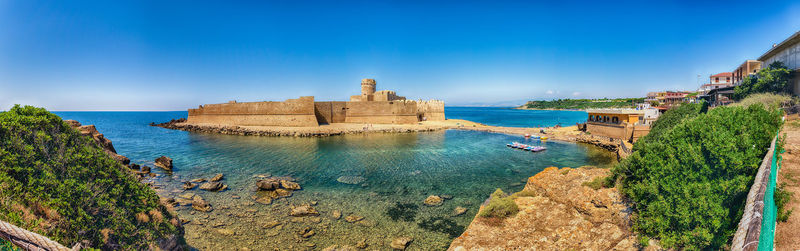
(562, 133)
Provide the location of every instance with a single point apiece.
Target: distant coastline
(522, 107)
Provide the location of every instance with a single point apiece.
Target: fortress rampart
(371, 107)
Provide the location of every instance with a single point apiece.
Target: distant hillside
(582, 104)
(60, 184)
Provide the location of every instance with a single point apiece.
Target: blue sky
(160, 55)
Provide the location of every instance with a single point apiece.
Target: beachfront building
(716, 81)
(621, 124)
(656, 97)
(675, 97)
(749, 67)
(787, 52)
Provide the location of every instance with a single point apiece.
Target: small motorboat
(538, 149)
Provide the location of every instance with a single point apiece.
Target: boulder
(217, 177)
(269, 184)
(290, 185)
(433, 201)
(199, 204)
(353, 218)
(188, 185)
(459, 211)
(211, 186)
(303, 210)
(401, 243)
(164, 162)
(145, 169)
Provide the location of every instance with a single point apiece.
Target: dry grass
(767, 99)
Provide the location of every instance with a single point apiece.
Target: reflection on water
(395, 173)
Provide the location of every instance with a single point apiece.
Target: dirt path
(787, 236)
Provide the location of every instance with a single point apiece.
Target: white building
(787, 52)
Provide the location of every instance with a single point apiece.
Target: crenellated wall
(292, 112)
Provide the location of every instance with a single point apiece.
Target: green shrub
(584, 103)
(62, 185)
(500, 206)
(671, 118)
(688, 184)
(596, 183)
(782, 197)
(644, 241)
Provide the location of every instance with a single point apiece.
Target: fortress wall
(431, 110)
(382, 112)
(330, 111)
(292, 112)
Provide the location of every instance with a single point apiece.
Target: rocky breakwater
(556, 212)
(315, 131)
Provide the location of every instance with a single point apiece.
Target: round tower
(367, 86)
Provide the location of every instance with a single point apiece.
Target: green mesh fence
(767, 238)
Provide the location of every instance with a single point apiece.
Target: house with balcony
(622, 124)
(749, 67)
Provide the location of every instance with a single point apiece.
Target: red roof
(724, 74)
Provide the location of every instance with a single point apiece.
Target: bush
(60, 184)
(688, 184)
(500, 206)
(773, 79)
(671, 118)
(782, 197)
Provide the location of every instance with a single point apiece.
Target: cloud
(549, 92)
(576, 93)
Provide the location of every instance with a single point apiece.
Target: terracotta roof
(724, 74)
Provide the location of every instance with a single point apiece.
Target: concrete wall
(292, 112)
(640, 131)
(623, 131)
(431, 110)
(382, 112)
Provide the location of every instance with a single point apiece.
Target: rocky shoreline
(180, 124)
(557, 211)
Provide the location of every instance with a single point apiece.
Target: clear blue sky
(172, 55)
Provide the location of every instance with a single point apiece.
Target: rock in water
(336, 214)
(269, 184)
(459, 211)
(266, 200)
(353, 218)
(200, 205)
(306, 232)
(217, 177)
(433, 201)
(164, 162)
(188, 185)
(352, 180)
(303, 210)
(401, 243)
(290, 185)
(211, 186)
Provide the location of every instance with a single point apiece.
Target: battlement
(381, 107)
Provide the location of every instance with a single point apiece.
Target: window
(591, 117)
(716, 80)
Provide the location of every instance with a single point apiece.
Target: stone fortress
(371, 107)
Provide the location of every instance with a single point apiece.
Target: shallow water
(396, 168)
(506, 116)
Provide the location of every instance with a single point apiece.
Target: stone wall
(616, 131)
(292, 112)
(330, 111)
(382, 112)
(431, 110)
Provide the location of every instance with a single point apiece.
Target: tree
(773, 79)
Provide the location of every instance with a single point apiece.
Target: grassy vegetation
(688, 181)
(62, 185)
(581, 104)
(767, 99)
(500, 206)
(599, 182)
(782, 197)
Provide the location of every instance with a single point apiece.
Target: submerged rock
(401, 243)
(199, 204)
(306, 232)
(164, 162)
(290, 185)
(217, 177)
(269, 184)
(353, 218)
(433, 201)
(266, 200)
(339, 248)
(459, 211)
(303, 210)
(188, 185)
(352, 180)
(336, 214)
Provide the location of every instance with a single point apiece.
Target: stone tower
(367, 86)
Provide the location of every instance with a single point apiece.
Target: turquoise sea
(398, 170)
(507, 116)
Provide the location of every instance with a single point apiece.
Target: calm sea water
(506, 116)
(397, 168)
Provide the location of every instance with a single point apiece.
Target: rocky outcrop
(102, 141)
(164, 162)
(556, 212)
